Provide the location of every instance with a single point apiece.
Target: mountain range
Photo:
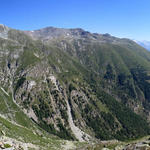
(64, 88)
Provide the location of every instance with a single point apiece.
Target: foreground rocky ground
(140, 144)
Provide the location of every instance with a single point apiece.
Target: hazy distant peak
(144, 43)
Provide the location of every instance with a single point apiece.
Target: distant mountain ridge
(50, 33)
(145, 44)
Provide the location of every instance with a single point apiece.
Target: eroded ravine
(80, 135)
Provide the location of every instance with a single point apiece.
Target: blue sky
(122, 18)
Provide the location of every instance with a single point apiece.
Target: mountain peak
(53, 32)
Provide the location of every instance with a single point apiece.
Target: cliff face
(75, 84)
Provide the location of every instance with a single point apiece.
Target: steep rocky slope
(75, 84)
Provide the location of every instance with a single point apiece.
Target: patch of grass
(7, 145)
